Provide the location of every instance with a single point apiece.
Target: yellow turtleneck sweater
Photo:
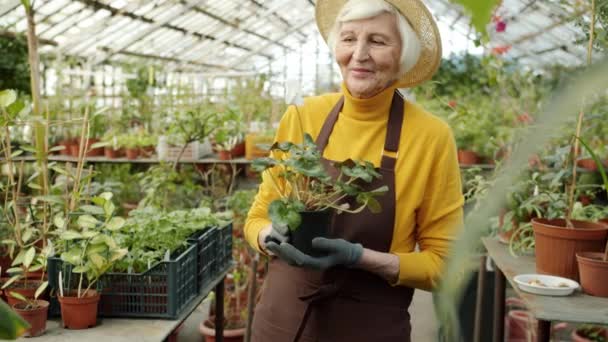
(427, 177)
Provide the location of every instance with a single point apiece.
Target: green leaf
(10, 282)
(27, 235)
(51, 199)
(59, 221)
(16, 153)
(109, 208)
(7, 97)
(100, 144)
(106, 195)
(118, 254)
(89, 234)
(116, 223)
(480, 11)
(92, 209)
(73, 256)
(285, 214)
(34, 186)
(97, 260)
(29, 257)
(29, 148)
(11, 325)
(70, 235)
(19, 258)
(597, 161)
(87, 222)
(15, 270)
(36, 268)
(18, 296)
(57, 148)
(80, 269)
(41, 289)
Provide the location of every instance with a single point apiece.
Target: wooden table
(577, 308)
(139, 330)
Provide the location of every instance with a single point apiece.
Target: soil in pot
(314, 224)
(79, 313)
(207, 329)
(35, 317)
(28, 291)
(583, 335)
(466, 157)
(556, 245)
(593, 271)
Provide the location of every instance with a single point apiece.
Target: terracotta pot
(556, 245)
(111, 153)
(147, 151)
(224, 155)
(587, 164)
(25, 292)
(604, 221)
(594, 273)
(520, 326)
(35, 317)
(467, 157)
(207, 329)
(5, 263)
(132, 153)
(79, 313)
(578, 338)
(74, 149)
(66, 147)
(238, 150)
(96, 152)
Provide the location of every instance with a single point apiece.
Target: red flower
(452, 104)
(501, 50)
(501, 26)
(525, 118)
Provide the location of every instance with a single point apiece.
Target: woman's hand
(338, 252)
(274, 233)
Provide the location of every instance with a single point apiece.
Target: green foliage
(480, 11)
(592, 333)
(14, 65)
(11, 325)
(89, 243)
(168, 189)
(239, 203)
(150, 234)
(303, 183)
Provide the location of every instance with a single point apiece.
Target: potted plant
(34, 311)
(308, 195)
(91, 250)
(12, 325)
(131, 145)
(593, 266)
(26, 262)
(589, 333)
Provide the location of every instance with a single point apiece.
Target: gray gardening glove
(339, 252)
(278, 234)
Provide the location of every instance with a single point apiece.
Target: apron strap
(328, 125)
(393, 130)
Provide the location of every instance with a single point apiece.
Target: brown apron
(341, 304)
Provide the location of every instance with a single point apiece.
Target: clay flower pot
(35, 317)
(111, 153)
(224, 155)
(95, 152)
(467, 157)
(207, 329)
(577, 335)
(28, 292)
(587, 164)
(79, 313)
(132, 153)
(556, 245)
(594, 273)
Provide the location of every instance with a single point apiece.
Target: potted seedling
(34, 311)
(309, 196)
(91, 250)
(589, 333)
(593, 266)
(26, 262)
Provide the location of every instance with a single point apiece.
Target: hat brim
(422, 22)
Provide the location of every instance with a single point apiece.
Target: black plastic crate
(206, 241)
(163, 291)
(224, 248)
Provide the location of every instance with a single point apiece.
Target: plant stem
(579, 123)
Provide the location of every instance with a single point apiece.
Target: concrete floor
(424, 323)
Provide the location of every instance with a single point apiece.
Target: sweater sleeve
(438, 219)
(290, 129)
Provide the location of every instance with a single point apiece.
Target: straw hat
(419, 18)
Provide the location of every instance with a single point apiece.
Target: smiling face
(368, 52)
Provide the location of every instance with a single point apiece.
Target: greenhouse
(306, 170)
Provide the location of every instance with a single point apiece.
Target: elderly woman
(362, 288)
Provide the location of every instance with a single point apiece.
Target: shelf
(62, 158)
(126, 329)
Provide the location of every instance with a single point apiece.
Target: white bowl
(552, 288)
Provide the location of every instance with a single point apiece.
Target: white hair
(365, 9)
